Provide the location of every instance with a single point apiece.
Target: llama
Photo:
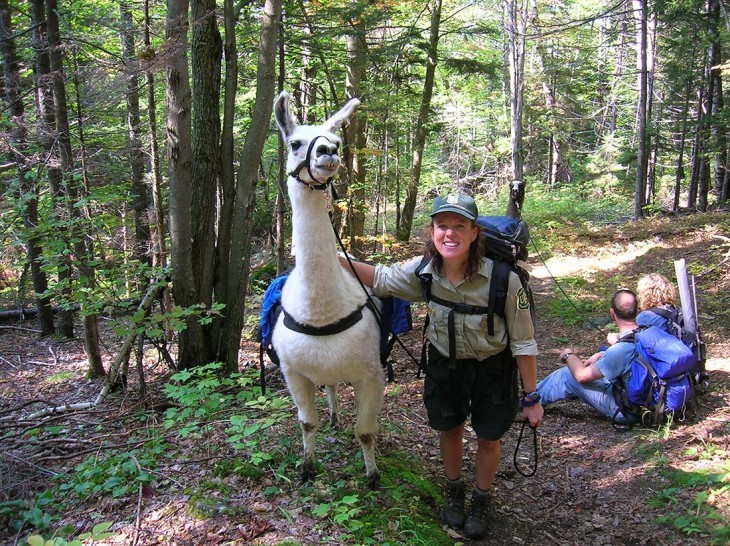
(327, 333)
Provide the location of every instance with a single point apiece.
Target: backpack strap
(498, 287)
(662, 312)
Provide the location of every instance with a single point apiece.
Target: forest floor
(593, 483)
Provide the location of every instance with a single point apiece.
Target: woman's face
(452, 235)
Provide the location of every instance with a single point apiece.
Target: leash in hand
(533, 470)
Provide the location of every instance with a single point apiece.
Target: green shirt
(472, 340)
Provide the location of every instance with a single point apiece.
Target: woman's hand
(533, 414)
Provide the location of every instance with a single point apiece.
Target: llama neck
(312, 235)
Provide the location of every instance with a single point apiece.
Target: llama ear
(339, 118)
(284, 118)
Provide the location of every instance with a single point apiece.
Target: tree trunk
(86, 279)
(47, 115)
(281, 255)
(140, 192)
(206, 50)
(246, 183)
(28, 190)
(516, 25)
(355, 130)
(419, 143)
(682, 141)
(640, 13)
(160, 232)
(192, 343)
(227, 174)
(719, 128)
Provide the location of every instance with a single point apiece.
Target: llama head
(313, 150)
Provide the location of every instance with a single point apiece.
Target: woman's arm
(366, 272)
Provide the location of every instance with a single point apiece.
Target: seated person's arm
(584, 371)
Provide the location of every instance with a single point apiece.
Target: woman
(656, 300)
(483, 382)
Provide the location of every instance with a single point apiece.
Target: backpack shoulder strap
(425, 278)
(498, 287)
(666, 313)
(630, 338)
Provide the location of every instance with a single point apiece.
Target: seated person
(592, 380)
(654, 292)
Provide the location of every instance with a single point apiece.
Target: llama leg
(302, 392)
(369, 400)
(331, 391)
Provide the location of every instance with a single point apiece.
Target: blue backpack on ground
(660, 386)
(395, 319)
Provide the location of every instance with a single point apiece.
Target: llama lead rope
(534, 446)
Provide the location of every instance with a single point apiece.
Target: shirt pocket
(438, 316)
(475, 334)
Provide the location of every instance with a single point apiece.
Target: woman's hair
(476, 252)
(655, 289)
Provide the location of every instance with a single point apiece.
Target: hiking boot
(477, 522)
(452, 513)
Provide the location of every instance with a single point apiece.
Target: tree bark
(192, 343)
(160, 233)
(640, 13)
(140, 192)
(516, 25)
(47, 116)
(245, 184)
(86, 279)
(355, 130)
(419, 142)
(206, 50)
(27, 188)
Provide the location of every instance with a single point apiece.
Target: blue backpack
(660, 385)
(395, 319)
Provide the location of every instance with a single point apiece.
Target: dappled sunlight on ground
(562, 266)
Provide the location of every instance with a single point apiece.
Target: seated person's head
(624, 305)
(655, 289)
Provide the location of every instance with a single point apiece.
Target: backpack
(395, 319)
(660, 385)
(506, 241)
(693, 340)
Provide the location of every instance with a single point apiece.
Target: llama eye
(295, 145)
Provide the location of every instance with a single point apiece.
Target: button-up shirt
(472, 338)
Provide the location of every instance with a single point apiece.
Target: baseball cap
(455, 202)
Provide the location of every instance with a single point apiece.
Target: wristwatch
(564, 357)
(529, 399)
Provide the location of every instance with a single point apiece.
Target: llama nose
(326, 149)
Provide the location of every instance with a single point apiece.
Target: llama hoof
(374, 482)
(308, 474)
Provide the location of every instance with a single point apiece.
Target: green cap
(455, 202)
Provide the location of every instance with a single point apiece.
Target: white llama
(326, 334)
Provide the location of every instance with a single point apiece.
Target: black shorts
(484, 389)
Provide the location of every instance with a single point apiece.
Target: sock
(457, 481)
(482, 492)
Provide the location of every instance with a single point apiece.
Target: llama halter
(306, 162)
